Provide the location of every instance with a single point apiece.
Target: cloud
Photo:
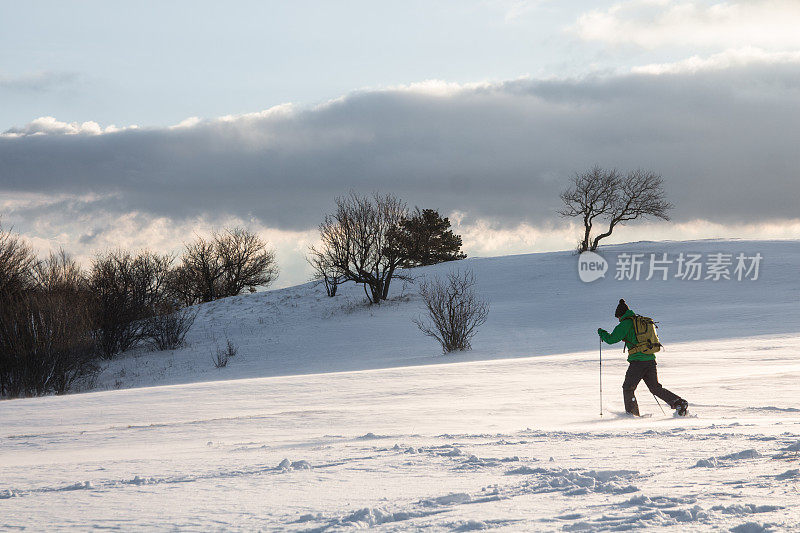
(724, 60)
(495, 155)
(83, 227)
(723, 140)
(38, 81)
(51, 126)
(768, 24)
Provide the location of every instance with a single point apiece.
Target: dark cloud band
(725, 141)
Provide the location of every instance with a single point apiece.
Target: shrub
(46, 339)
(167, 328)
(221, 356)
(455, 312)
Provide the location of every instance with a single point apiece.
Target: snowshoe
(681, 407)
(633, 415)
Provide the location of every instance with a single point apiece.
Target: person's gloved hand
(600, 331)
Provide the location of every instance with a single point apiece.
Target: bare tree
(246, 261)
(455, 312)
(360, 241)
(59, 273)
(127, 290)
(182, 286)
(202, 270)
(324, 272)
(17, 261)
(605, 195)
(591, 196)
(223, 265)
(640, 195)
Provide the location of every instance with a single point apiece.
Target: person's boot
(681, 407)
(631, 405)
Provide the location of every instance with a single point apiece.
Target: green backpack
(646, 337)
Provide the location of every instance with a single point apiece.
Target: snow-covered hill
(539, 306)
(511, 440)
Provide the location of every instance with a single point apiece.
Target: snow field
(336, 416)
(460, 446)
(538, 307)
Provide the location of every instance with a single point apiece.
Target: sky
(142, 124)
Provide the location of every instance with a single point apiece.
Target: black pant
(644, 370)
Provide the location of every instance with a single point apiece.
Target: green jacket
(624, 331)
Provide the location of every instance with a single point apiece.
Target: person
(642, 366)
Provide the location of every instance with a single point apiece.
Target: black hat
(622, 308)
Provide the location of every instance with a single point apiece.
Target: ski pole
(659, 404)
(601, 377)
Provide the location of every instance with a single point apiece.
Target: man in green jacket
(642, 366)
